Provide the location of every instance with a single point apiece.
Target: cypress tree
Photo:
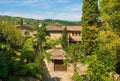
(64, 40)
(21, 22)
(89, 23)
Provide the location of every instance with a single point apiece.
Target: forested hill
(62, 22)
(32, 22)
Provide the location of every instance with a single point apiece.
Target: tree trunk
(41, 52)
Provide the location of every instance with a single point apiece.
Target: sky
(70, 10)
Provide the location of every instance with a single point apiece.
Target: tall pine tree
(89, 23)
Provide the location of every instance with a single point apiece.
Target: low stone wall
(81, 68)
(29, 79)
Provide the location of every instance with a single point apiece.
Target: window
(79, 33)
(72, 33)
(75, 33)
(27, 33)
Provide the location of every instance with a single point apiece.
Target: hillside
(62, 22)
(32, 22)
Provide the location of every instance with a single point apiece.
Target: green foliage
(10, 35)
(73, 55)
(21, 22)
(46, 55)
(41, 35)
(118, 59)
(6, 66)
(77, 77)
(28, 51)
(40, 39)
(61, 22)
(31, 69)
(89, 26)
(14, 78)
(17, 20)
(64, 39)
(12, 69)
(101, 66)
(32, 66)
(110, 12)
(52, 43)
(90, 13)
(10, 40)
(35, 69)
(100, 46)
(90, 40)
(31, 22)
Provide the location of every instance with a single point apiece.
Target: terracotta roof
(56, 54)
(74, 28)
(54, 28)
(69, 28)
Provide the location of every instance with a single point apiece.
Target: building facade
(74, 33)
(57, 59)
(27, 31)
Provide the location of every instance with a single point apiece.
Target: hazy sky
(43, 9)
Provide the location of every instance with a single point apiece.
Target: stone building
(27, 31)
(74, 33)
(57, 59)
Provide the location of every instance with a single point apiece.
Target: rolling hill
(32, 22)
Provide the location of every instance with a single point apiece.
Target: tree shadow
(56, 79)
(48, 76)
(84, 77)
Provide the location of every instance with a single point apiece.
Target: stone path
(57, 75)
(62, 76)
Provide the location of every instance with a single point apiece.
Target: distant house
(27, 31)
(74, 33)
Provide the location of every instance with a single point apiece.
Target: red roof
(56, 54)
(69, 28)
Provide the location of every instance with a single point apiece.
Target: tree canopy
(28, 51)
(10, 35)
